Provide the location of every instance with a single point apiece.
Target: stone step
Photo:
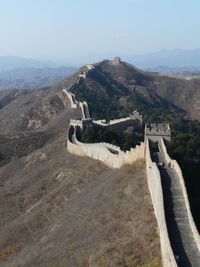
(176, 209)
(187, 253)
(170, 201)
(180, 222)
(183, 239)
(176, 214)
(187, 260)
(173, 192)
(167, 181)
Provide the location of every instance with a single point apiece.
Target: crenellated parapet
(110, 155)
(122, 123)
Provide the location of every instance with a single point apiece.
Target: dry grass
(8, 251)
(139, 164)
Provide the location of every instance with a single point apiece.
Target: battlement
(109, 154)
(135, 115)
(76, 123)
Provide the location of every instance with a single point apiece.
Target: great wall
(179, 238)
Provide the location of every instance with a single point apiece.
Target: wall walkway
(183, 235)
(155, 187)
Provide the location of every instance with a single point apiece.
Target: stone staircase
(180, 234)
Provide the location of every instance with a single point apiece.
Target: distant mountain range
(17, 72)
(185, 71)
(13, 62)
(32, 78)
(174, 61)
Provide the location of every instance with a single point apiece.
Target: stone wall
(71, 146)
(71, 97)
(76, 123)
(119, 124)
(155, 188)
(177, 168)
(109, 154)
(113, 157)
(85, 110)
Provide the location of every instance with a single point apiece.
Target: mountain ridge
(15, 62)
(122, 84)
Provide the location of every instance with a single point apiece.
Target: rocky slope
(61, 210)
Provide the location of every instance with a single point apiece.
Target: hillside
(115, 90)
(118, 88)
(61, 210)
(32, 78)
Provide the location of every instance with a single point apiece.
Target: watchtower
(156, 131)
(116, 61)
(135, 115)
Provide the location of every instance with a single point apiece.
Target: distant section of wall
(83, 75)
(90, 67)
(76, 123)
(109, 154)
(177, 168)
(122, 123)
(75, 104)
(85, 110)
(155, 187)
(71, 97)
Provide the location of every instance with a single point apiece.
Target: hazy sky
(72, 30)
